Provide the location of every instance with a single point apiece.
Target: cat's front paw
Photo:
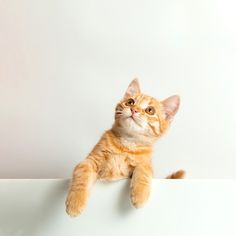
(139, 195)
(76, 202)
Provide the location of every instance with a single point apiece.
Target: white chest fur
(114, 168)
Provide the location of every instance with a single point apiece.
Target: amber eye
(150, 110)
(130, 102)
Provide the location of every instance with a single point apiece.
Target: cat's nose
(133, 110)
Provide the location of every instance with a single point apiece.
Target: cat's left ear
(170, 107)
(132, 89)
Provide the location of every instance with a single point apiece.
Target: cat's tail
(180, 174)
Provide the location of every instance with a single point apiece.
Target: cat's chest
(116, 166)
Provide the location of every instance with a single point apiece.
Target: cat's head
(141, 115)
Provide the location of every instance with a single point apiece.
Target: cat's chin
(129, 127)
(131, 120)
(132, 134)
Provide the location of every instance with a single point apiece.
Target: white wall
(65, 64)
(179, 208)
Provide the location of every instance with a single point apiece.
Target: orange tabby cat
(125, 150)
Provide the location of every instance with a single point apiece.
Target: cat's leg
(84, 175)
(141, 184)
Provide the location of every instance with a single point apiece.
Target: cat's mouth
(132, 117)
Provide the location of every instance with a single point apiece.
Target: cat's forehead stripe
(141, 98)
(144, 101)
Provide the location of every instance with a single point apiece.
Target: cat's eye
(130, 102)
(150, 110)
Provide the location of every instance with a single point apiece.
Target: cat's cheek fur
(154, 129)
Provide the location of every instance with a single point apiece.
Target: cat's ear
(170, 107)
(132, 89)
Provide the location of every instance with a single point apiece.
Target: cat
(125, 150)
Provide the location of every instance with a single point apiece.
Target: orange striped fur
(125, 150)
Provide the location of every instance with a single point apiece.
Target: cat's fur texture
(125, 150)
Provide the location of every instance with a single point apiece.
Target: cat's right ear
(170, 107)
(132, 89)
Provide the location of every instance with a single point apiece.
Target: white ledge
(35, 207)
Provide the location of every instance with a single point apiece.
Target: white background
(65, 64)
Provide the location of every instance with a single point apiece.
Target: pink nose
(133, 110)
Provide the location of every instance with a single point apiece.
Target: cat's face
(139, 114)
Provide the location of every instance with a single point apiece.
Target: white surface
(65, 64)
(182, 208)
